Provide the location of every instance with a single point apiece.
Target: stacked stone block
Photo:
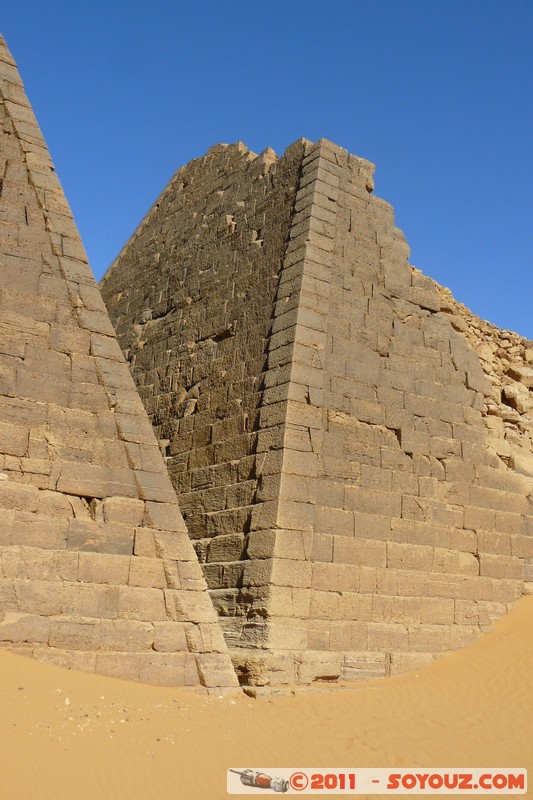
(417, 535)
(383, 529)
(97, 571)
(192, 297)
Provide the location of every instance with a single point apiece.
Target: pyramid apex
(6, 59)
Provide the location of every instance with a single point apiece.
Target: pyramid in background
(97, 571)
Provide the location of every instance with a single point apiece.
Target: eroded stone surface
(82, 481)
(351, 447)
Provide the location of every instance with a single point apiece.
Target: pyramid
(352, 449)
(97, 571)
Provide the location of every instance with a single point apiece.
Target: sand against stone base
(70, 735)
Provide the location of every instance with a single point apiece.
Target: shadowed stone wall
(388, 523)
(192, 298)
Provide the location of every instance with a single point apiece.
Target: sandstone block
(409, 662)
(522, 546)
(147, 572)
(168, 669)
(87, 397)
(396, 609)
(90, 600)
(105, 347)
(38, 597)
(18, 496)
(363, 666)
(283, 601)
(119, 665)
(13, 439)
(499, 566)
(463, 635)
(521, 373)
(373, 501)
(49, 566)
(18, 628)
(479, 518)
(335, 577)
(369, 552)
(356, 607)
(288, 634)
(100, 537)
(103, 568)
(154, 487)
(190, 606)
(144, 543)
(320, 667)
(456, 563)
(8, 596)
(437, 611)
(169, 637)
(124, 510)
(226, 548)
(126, 635)
(416, 557)
(12, 564)
(205, 638)
(141, 604)
(34, 530)
(371, 526)
(387, 636)
(321, 547)
(494, 542)
(95, 321)
(325, 605)
(135, 428)
(8, 372)
(82, 635)
(334, 521)
(166, 516)
(173, 545)
(113, 375)
(215, 670)
(286, 572)
(87, 480)
(430, 638)
(523, 464)
(257, 668)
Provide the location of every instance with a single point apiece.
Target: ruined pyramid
(352, 449)
(97, 571)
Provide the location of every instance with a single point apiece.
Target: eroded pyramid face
(355, 478)
(97, 571)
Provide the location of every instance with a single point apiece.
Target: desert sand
(71, 735)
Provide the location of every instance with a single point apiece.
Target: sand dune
(70, 735)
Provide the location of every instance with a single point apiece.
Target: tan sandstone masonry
(97, 571)
(192, 297)
(420, 535)
(507, 360)
(385, 527)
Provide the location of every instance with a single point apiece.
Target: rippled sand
(70, 735)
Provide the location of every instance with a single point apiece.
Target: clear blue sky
(438, 93)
